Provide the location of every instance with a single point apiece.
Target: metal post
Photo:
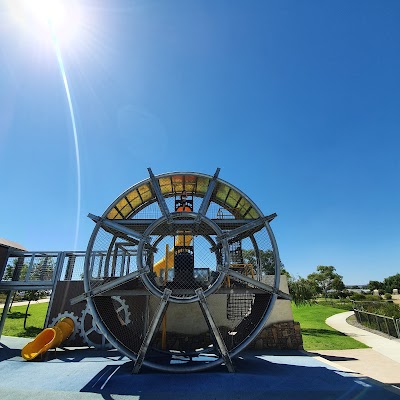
(387, 327)
(164, 321)
(155, 324)
(396, 326)
(56, 278)
(377, 322)
(5, 310)
(221, 347)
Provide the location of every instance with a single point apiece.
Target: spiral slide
(49, 338)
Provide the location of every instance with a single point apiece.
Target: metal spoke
(90, 330)
(154, 326)
(247, 229)
(160, 198)
(260, 285)
(119, 228)
(214, 330)
(108, 286)
(207, 198)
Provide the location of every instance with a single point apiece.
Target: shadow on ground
(257, 376)
(320, 332)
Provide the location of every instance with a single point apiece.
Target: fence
(382, 323)
(24, 270)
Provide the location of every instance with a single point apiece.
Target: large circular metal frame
(150, 285)
(224, 270)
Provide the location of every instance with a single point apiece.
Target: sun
(60, 19)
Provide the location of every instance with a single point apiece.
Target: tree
(391, 282)
(302, 291)
(11, 270)
(375, 285)
(326, 279)
(267, 261)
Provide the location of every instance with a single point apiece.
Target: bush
(371, 297)
(341, 304)
(388, 296)
(358, 296)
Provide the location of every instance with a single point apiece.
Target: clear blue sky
(298, 102)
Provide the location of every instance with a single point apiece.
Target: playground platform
(81, 373)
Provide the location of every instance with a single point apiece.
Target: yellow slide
(49, 338)
(181, 240)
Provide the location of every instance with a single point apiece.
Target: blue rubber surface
(107, 375)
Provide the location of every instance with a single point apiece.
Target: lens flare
(64, 18)
(60, 22)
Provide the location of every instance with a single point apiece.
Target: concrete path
(388, 347)
(25, 303)
(381, 362)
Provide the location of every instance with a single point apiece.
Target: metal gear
(67, 314)
(90, 332)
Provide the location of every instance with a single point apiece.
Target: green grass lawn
(317, 335)
(14, 325)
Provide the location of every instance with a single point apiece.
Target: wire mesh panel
(31, 267)
(196, 265)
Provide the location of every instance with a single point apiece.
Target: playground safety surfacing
(93, 374)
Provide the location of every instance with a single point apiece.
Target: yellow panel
(121, 204)
(177, 183)
(112, 214)
(118, 215)
(243, 206)
(202, 185)
(124, 207)
(136, 203)
(132, 195)
(165, 185)
(190, 183)
(126, 210)
(145, 192)
(232, 199)
(222, 192)
(253, 214)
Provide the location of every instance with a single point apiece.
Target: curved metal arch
(146, 280)
(153, 199)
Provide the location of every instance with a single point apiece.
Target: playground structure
(180, 274)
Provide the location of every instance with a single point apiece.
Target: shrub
(371, 297)
(357, 296)
(388, 296)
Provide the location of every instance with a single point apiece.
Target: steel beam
(214, 330)
(117, 227)
(5, 310)
(108, 286)
(207, 198)
(260, 285)
(249, 227)
(154, 326)
(160, 198)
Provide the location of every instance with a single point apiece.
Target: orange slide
(49, 338)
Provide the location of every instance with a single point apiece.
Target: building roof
(14, 245)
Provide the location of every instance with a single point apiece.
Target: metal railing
(39, 270)
(382, 323)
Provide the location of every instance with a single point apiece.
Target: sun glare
(47, 18)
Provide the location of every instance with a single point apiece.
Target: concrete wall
(282, 310)
(188, 318)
